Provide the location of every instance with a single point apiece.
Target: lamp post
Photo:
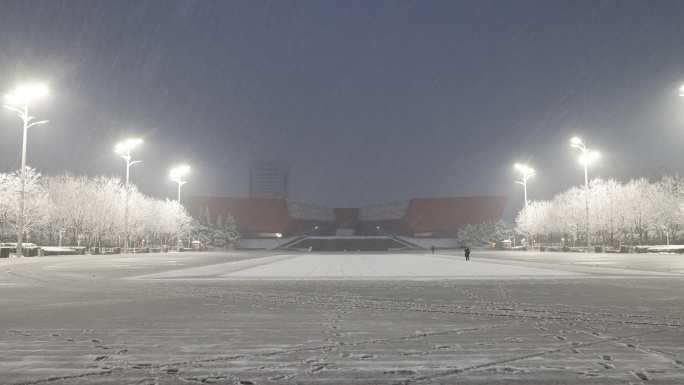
(123, 149)
(18, 101)
(526, 173)
(586, 158)
(176, 174)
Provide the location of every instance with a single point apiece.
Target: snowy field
(376, 266)
(357, 266)
(402, 318)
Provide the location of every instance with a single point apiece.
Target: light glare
(177, 173)
(589, 157)
(525, 170)
(125, 147)
(24, 94)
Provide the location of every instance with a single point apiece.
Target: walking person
(467, 253)
(432, 248)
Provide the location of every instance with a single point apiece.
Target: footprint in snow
(401, 372)
(280, 377)
(642, 376)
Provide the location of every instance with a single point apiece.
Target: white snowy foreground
(411, 266)
(347, 318)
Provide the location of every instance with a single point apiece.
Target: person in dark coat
(467, 253)
(432, 248)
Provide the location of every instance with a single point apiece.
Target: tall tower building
(269, 179)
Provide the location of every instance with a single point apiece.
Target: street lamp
(123, 149)
(18, 101)
(586, 158)
(176, 174)
(526, 172)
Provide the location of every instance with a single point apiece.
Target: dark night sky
(368, 101)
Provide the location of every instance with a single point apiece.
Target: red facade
(440, 216)
(448, 215)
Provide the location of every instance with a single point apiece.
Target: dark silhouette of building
(269, 179)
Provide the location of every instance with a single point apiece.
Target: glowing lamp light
(177, 173)
(589, 157)
(681, 90)
(24, 94)
(124, 148)
(576, 142)
(525, 170)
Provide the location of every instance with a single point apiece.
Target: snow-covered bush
(223, 233)
(484, 233)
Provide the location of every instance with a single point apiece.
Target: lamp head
(125, 147)
(576, 142)
(177, 173)
(26, 93)
(589, 157)
(525, 170)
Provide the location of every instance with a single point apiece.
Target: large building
(269, 179)
(423, 217)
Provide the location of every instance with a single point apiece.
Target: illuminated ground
(265, 318)
(353, 266)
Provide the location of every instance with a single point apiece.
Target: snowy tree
(638, 211)
(90, 211)
(36, 203)
(7, 202)
(71, 206)
(535, 219)
(485, 233)
(667, 206)
(107, 211)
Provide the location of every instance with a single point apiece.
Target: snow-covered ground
(189, 318)
(411, 266)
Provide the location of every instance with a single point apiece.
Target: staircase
(348, 243)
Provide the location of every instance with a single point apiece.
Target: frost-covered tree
(36, 208)
(7, 202)
(71, 201)
(222, 232)
(535, 219)
(87, 211)
(106, 214)
(638, 211)
(485, 233)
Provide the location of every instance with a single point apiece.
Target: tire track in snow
(323, 347)
(504, 312)
(453, 372)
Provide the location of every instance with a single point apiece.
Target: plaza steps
(349, 243)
